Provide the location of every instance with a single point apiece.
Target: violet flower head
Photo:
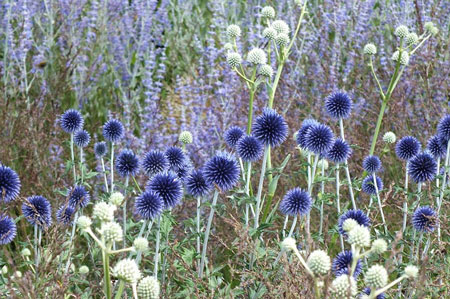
(82, 138)
(270, 128)
(339, 152)
(338, 105)
(357, 215)
(9, 184)
(249, 149)
(422, 168)
(155, 162)
(222, 170)
(38, 211)
(168, 186)
(232, 136)
(295, 202)
(407, 147)
(148, 205)
(127, 163)
(71, 121)
(8, 229)
(424, 219)
(113, 130)
(368, 185)
(196, 184)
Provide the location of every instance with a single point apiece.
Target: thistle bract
(295, 202)
(9, 184)
(268, 12)
(127, 163)
(8, 229)
(270, 128)
(370, 49)
(376, 277)
(422, 168)
(233, 31)
(113, 130)
(222, 170)
(71, 121)
(389, 137)
(148, 288)
(257, 56)
(319, 262)
(127, 270)
(280, 26)
(37, 210)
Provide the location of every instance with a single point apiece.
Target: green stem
(73, 159)
(208, 229)
(120, 290)
(104, 175)
(260, 187)
(107, 275)
(158, 240)
(112, 167)
(125, 213)
(250, 112)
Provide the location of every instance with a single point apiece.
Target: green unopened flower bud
(379, 246)
(111, 232)
(411, 271)
(140, 244)
(404, 60)
(370, 49)
(25, 252)
(116, 198)
(389, 137)
(233, 31)
(18, 274)
(270, 33)
(280, 26)
(376, 277)
(84, 222)
(359, 236)
(104, 211)
(257, 56)
(342, 286)
(234, 59)
(323, 163)
(282, 39)
(148, 288)
(5, 270)
(83, 270)
(185, 137)
(228, 46)
(298, 2)
(268, 12)
(349, 224)
(428, 26)
(265, 70)
(289, 244)
(434, 31)
(319, 262)
(412, 39)
(127, 270)
(401, 31)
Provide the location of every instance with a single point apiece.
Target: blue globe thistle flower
(78, 197)
(8, 229)
(232, 136)
(338, 105)
(249, 148)
(339, 152)
(302, 132)
(38, 211)
(168, 187)
(184, 170)
(443, 128)
(196, 184)
(9, 184)
(422, 168)
(71, 121)
(127, 163)
(368, 185)
(424, 219)
(342, 264)
(372, 164)
(65, 214)
(222, 170)
(155, 162)
(100, 149)
(367, 291)
(270, 128)
(148, 205)
(407, 147)
(319, 139)
(113, 130)
(357, 215)
(175, 156)
(82, 138)
(436, 146)
(296, 201)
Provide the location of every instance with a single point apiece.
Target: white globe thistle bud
(233, 31)
(104, 211)
(18, 274)
(5, 270)
(323, 163)
(84, 222)
(268, 12)
(411, 271)
(186, 137)
(389, 137)
(349, 224)
(116, 198)
(376, 277)
(140, 244)
(379, 246)
(127, 270)
(319, 262)
(257, 56)
(234, 59)
(265, 70)
(280, 26)
(270, 33)
(370, 49)
(411, 39)
(148, 288)
(403, 60)
(342, 286)
(111, 232)
(434, 31)
(429, 26)
(83, 270)
(359, 236)
(228, 46)
(25, 252)
(298, 2)
(289, 244)
(282, 40)
(401, 31)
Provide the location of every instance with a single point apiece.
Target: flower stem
(120, 290)
(125, 213)
(247, 191)
(208, 229)
(107, 275)
(260, 187)
(104, 175)
(112, 167)
(199, 203)
(338, 203)
(294, 222)
(73, 159)
(444, 183)
(380, 206)
(158, 240)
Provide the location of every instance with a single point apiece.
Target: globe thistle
(78, 197)
(234, 59)
(270, 128)
(368, 185)
(116, 199)
(367, 290)
(357, 215)
(233, 31)
(64, 214)
(319, 139)
(155, 162)
(113, 130)
(289, 244)
(436, 147)
(270, 33)
(401, 31)
(443, 128)
(379, 246)
(228, 46)
(342, 264)
(422, 168)
(376, 277)
(389, 137)
(411, 271)
(9, 184)
(196, 184)
(429, 27)
(249, 148)
(82, 138)
(111, 232)
(372, 164)
(319, 262)
(359, 236)
(349, 224)
(104, 211)
(84, 222)
(8, 230)
(280, 26)
(407, 147)
(282, 39)
(175, 156)
(268, 12)
(185, 137)
(148, 205)
(184, 170)
(38, 211)
(338, 105)
(434, 31)
(140, 244)
(83, 270)
(127, 163)
(127, 270)
(25, 252)
(307, 124)
(265, 70)
(424, 219)
(342, 286)
(404, 59)
(168, 187)
(100, 149)
(370, 49)
(232, 135)
(296, 201)
(71, 121)
(222, 170)
(18, 274)
(339, 152)
(148, 288)
(257, 56)
(412, 39)
(322, 163)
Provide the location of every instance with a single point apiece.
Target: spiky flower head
(175, 156)
(370, 49)
(140, 244)
(78, 197)
(338, 105)
(436, 147)
(270, 128)
(342, 264)
(232, 135)
(82, 138)
(407, 147)
(339, 152)
(65, 214)
(8, 229)
(84, 222)
(104, 211)
(368, 185)
(116, 199)
(319, 139)
(424, 219)
(113, 130)
(296, 201)
(249, 148)
(184, 170)
(222, 170)
(404, 59)
(359, 236)
(289, 244)
(411, 271)
(234, 59)
(38, 211)
(154, 162)
(270, 33)
(83, 270)
(282, 39)
(111, 232)
(265, 70)
(422, 168)
(100, 149)
(349, 224)
(307, 124)
(372, 164)
(257, 56)
(342, 286)
(389, 137)
(127, 270)
(9, 184)
(71, 121)
(367, 290)
(185, 137)
(319, 262)
(268, 12)
(357, 215)
(148, 205)
(401, 31)
(376, 277)
(323, 163)
(168, 187)
(127, 163)
(196, 184)
(148, 288)
(443, 128)
(379, 246)
(233, 31)
(280, 26)
(412, 39)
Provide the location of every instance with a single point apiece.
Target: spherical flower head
(376, 277)
(338, 105)
(155, 162)
(424, 219)
(65, 214)
(430, 28)
(443, 128)
(8, 229)
(270, 128)
(71, 121)
(296, 201)
(222, 170)
(228, 46)
(407, 147)
(319, 262)
(282, 39)
(84, 222)
(368, 185)
(113, 130)
(116, 199)
(249, 148)
(38, 211)
(280, 26)
(148, 288)
(140, 244)
(270, 33)
(148, 205)
(289, 244)
(404, 59)
(82, 138)
(268, 12)
(168, 187)
(232, 135)
(83, 270)
(359, 236)
(175, 156)
(349, 224)
(422, 168)
(25, 252)
(233, 31)
(127, 270)
(9, 184)
(342, 286)
(78, 197)
(342, 264)
(307, 124)
(412, 39)
(367, 290)
(434, 31)
(372, 164)
(323, 163)
(379, 246)
(370, 49)
(196, 184)
(257, 56)
(319, 139)
(265, 70)
(185, 137)
(357, 215)
(401, 31)
(127, 163)
(100, 149)
(339, 152)
(436, 146)
(104, 211)
(234, 59)
(389, 137)
(111, 232)
(411, 271)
